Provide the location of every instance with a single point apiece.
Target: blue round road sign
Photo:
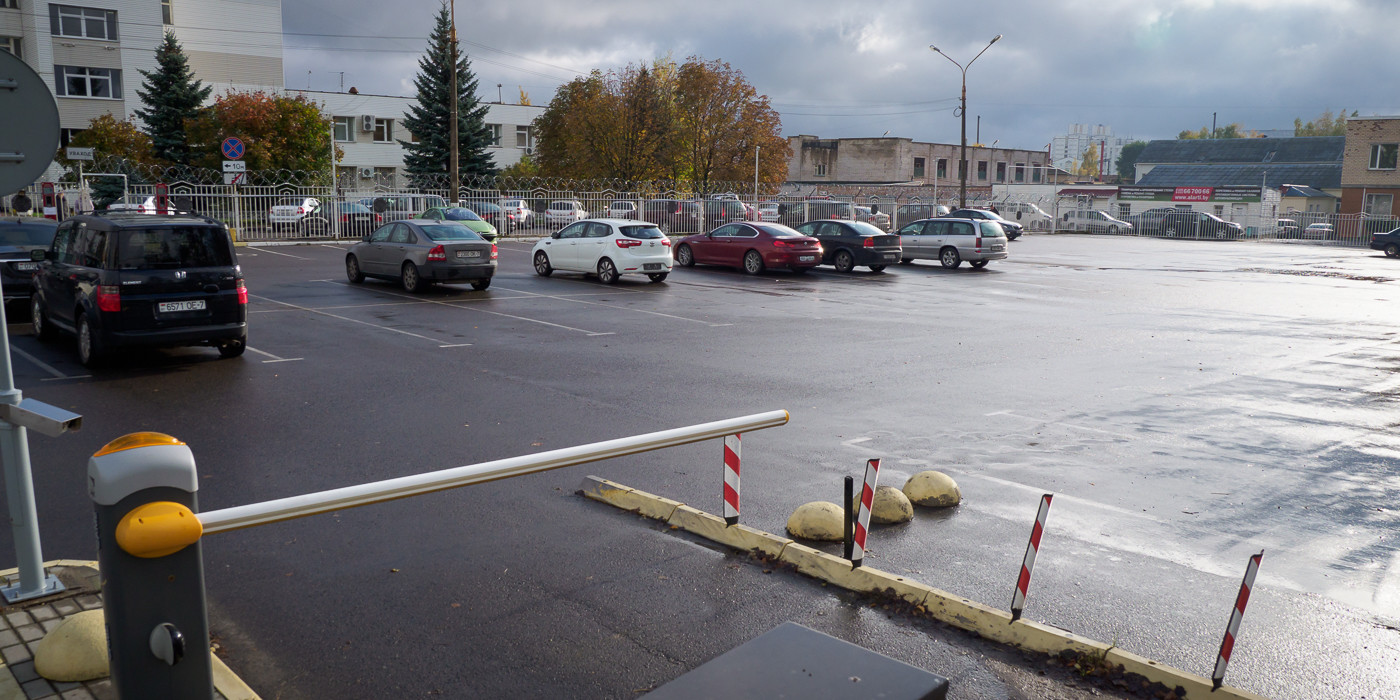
(232, 148)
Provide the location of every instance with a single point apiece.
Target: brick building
(890, 160)
(1370, 179)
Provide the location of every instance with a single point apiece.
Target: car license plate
(998, 248)
(26, 266)
(891, 256)
(651, 266)
(806, 258)
(173, 306)
(468, 253)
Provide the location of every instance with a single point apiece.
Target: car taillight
(666, 242)
(378, 218)
(626, 242)
(242, 292)
(344, 218)
(438, 253)
(869, 242)
(977, 242)
(782, 244)
(109, 298)
(494, 254)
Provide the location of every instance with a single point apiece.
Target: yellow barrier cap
(132, 441)
(158, 529)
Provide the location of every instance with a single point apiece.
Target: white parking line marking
(615, 306)
(42, 365)
(274, 357)
(289, 255)
(352, 320)
(456, 345)
(458, 305)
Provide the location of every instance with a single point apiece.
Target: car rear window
(450, 232)
(991, 229)
(780, 231)
(864, 229)
(26, 234)
(174, 247)
(643, 232)
(463, 213)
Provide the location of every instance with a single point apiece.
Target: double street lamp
(962, 159)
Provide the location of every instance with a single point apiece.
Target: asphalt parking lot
(1190, 403)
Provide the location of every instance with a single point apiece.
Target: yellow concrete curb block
(985, 621)
(228, 683)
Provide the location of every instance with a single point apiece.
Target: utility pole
(452, 148)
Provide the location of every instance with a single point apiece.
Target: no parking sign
(232, 148)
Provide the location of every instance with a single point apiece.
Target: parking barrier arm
(254, 514)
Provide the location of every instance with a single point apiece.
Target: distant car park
(1093, 221)
(1319, 232)
(1389, 242)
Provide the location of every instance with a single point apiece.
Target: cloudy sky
(1146, 68)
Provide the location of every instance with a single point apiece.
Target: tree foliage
(1233, 130)
(172, 97)
(430, 118)
(1089, 163)
(1128, 158)
(127, 145)
(1325, 125)
(699, 121)
(279, 132)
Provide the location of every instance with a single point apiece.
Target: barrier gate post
(143, 487)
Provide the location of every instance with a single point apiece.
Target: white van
(1026, 214)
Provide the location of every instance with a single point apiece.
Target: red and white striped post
(1233, 629)
(867, 497)
(731, 479)
(1023, 583)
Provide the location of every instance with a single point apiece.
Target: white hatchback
(608, 248)
(563, 212)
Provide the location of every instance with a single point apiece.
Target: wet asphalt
(1189, 403)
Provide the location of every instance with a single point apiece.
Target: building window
(1220, 210)
(918, 167)
(495, 134)
(1383, 155)
(942, 167)
(1001, 171)
(981, 170)
(386, 176)
(75, 81)
(1036, 171)
(821, 169)
(344, 129)
(383, 130)
(82, 22)
(1378, 205)
(524, 139)
(1020, 172)
(65, 136)
(167, 13)
(11, 44)
(12, 4)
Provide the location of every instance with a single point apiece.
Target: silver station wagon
(951, 241)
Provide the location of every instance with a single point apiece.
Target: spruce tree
(171, 95)
(431, 119)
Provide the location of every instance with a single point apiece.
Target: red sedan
(752, 246)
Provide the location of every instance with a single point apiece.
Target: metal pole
(962, 158)
(850, 531)
(19, 487)
(452, 147)
(756, 149)
(402, 487)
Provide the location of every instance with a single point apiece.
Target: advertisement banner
(1188, 194)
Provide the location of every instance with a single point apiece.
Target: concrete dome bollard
(932, 489)
(818, 520)
(74, 651)
(889, 506)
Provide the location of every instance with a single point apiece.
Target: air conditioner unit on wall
(367, 172)
(366, 122)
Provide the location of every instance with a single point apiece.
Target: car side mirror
(38, 254)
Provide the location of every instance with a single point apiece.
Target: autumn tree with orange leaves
(279, 132)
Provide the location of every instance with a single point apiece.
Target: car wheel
(89, 347)
(352, 270)
(979, 264)
(844, 261)
(685, 256)
(607, 272)
(753, 262)
(1391, 251)
(1112, 230)
(877, 268)
(481, 285)
(542, 266)
(949, 257)
(412, 281)
(658, 276)
(43, 331)
(233, 348)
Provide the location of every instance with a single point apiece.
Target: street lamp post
(962, 157)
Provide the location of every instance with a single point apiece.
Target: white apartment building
(90, 52)
(1068, 149)
(368, 128)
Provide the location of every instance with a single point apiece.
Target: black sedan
(846, 244)
(1388, 242)
(19, 237)
(1013, 230)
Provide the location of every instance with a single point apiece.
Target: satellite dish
(30, 136)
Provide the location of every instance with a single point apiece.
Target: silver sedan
(418, 253)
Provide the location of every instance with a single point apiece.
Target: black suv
(138, 280)
(1013, 230)
(20, 236)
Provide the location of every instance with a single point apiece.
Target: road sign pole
(237, 213)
